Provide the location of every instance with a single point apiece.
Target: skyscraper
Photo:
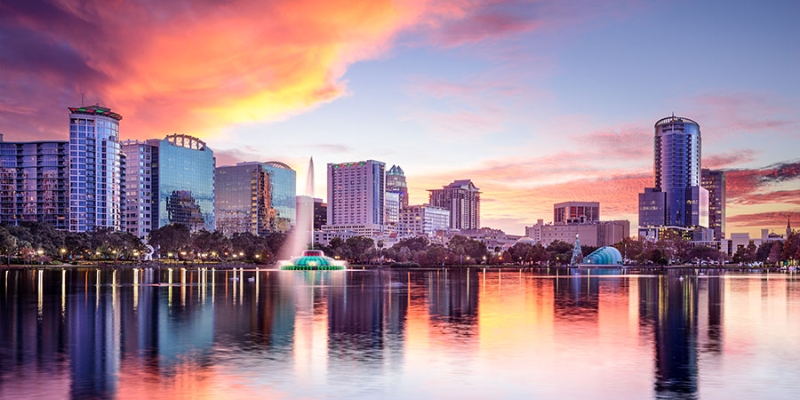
(714, 181)
(140, 210)
(34, 179)
(677, 200)
(463, 199)
(356, 193)
(396, 183)
(95, 169)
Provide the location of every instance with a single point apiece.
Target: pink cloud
(746, 113)
(198, 66)
(733, 158)
(771, 220)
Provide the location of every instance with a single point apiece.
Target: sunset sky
(536, 101)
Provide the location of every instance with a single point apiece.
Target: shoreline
(632, 269)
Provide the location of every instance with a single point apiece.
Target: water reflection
(176, 333)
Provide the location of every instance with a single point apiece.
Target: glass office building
(677, 199)
(242, 199)
(256, 197)
(282, 193)
(95, 169)
(186, 190)
(34, 180)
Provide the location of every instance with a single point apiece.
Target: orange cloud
(197, 67)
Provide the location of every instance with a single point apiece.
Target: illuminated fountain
(303, 234)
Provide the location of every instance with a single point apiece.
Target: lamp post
(40, 252)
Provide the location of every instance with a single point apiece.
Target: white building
(141, 191)
(423, 220)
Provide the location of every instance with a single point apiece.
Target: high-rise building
(242, 203)
(392, 207)
(95, 169)
(320, 213)
(356, 195)
(34, 182)
(463, 200)
(396, 183)
(714, 182)
(282, 192)
(140, 211)
(677, 199)
(256, 197)
(186, 190)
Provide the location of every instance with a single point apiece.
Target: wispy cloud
(726, 113)
(774, 220)
(196, 66)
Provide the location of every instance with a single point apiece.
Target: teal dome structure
(313, 260)
(605, 255)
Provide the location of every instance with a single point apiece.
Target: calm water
(398, 334)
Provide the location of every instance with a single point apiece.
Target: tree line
(31, 242)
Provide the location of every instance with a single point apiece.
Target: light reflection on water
(88, 333)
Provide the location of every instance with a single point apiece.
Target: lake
(458, 333)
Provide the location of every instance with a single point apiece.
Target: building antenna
(81, 97)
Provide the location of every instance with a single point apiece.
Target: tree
(170, 238)
(414, 244)
(435, 255)
(745, 254)
(560, 251)
(703, 253)
(7, 243)
(358, 247)
(540, 254)
(210, 243)
(791, 247)
(519, 252)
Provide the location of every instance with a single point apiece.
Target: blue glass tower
(95, 169)
(677, 199)
(186, 190)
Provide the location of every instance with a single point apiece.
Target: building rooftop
(95, 110)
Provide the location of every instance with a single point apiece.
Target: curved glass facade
(95, 172)
(677, 199)
(605, 255)
(186, 183)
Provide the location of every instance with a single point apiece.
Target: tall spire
(788, 225)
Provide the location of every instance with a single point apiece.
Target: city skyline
(536, 103)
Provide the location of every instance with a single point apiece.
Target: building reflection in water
(670, 306)
(97, 334)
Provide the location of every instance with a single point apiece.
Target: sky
(536, 102)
